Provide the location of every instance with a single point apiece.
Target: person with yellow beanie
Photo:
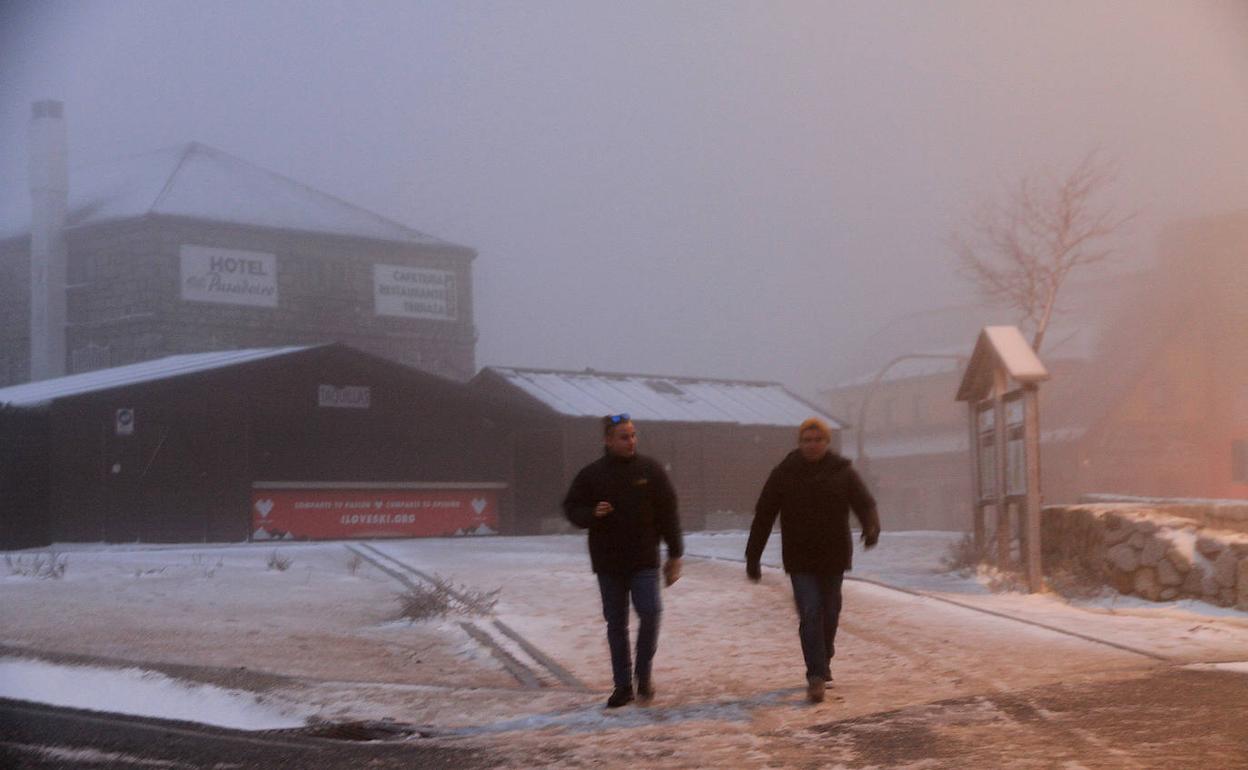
(813, 490)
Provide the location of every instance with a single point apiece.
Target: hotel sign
(229, 276)
(415, 292)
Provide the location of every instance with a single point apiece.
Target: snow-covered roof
(659, 398)
(200, 182)
(923, 364)
(944, 442)
(1005, 347)
(45, 391)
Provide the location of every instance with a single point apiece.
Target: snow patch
(1239, 667)
(142, 693)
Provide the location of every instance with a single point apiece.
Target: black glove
(870, 538)
(753, 571)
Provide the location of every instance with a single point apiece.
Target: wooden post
(977, 510)
(1031, 438)
(999, 435)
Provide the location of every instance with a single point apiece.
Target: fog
(730, 189)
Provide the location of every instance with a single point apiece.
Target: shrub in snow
(963, 557)
(45, 566)
(354, 562)
(440, 597)
(279, 562)
(206, 568)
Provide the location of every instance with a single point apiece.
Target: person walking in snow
(813, 490)
(628, 504)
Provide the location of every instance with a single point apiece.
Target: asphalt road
(1172, 718)
(38, 736)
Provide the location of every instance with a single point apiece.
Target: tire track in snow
(507, 645)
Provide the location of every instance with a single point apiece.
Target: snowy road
(1016, 681)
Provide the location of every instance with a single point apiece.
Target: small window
(1239, 460)
(1016, 463)
(986, 416)
(662, 386)
(89, 358)
(987, 467)
(1014, 409)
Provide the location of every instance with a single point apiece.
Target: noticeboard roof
(1005, 348)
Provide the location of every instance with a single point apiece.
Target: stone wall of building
(14, 311)
(126, 302)
(1156, 554)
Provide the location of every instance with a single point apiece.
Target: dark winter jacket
(813, 500)
(627, 539)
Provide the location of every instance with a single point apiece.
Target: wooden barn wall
(180, 477)
(539, 480)
(185, 474)
(409, 432)
(25, 479)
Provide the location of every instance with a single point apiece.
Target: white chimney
(49, 193)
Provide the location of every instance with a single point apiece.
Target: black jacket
(813, 500)
(627, 539)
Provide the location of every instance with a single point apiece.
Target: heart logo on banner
(264, 506)
(377, 504)
(478, 504)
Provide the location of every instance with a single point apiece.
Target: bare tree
(1019, 252)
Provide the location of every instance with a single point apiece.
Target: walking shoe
(645, 692)
(619, 697)
(814, 688)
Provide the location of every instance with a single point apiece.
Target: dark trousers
(643, 587)
(818, 599)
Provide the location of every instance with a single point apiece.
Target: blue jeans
(818, 599)
(643, 585)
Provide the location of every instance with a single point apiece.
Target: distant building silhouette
(191, 249)
(1149, 393)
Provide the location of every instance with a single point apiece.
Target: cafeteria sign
(415, 292)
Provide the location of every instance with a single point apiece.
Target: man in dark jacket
(813, 490)
(627, 503)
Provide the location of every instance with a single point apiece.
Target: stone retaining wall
(1148, 552)
(1217, 514)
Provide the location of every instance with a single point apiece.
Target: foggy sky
(703, 188)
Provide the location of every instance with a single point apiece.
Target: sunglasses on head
(616, 419)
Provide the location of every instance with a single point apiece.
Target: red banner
(335, 514)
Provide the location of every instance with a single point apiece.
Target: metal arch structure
(864, 462)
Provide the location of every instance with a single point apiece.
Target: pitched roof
(199, 182)
(1004, 347)
(659, 398)
(45, 391)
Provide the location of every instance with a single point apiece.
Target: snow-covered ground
(321, 640)
(135, 691)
